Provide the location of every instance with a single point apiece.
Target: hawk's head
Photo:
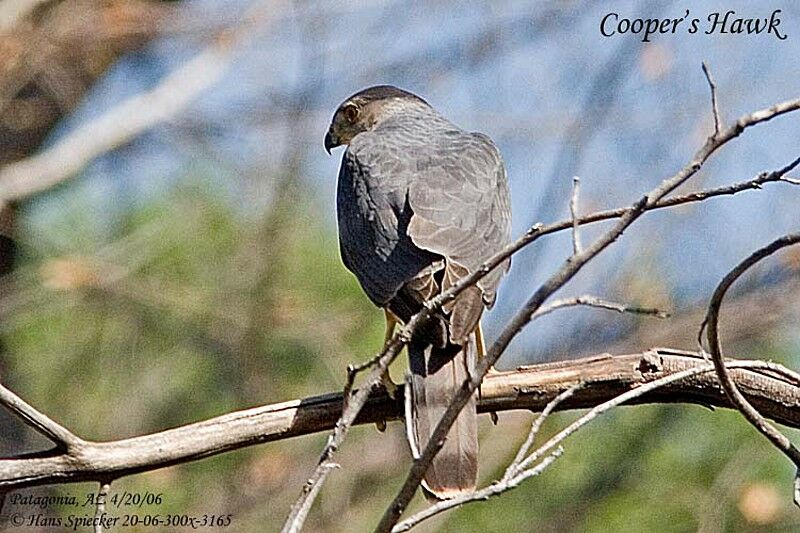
(364, 110)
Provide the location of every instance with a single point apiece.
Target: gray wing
(460, 202)
(461, 211)
(373, 217)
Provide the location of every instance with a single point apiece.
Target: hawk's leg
(481, 353)
(482, 347)
(386, 381)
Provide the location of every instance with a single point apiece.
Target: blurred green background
(194, 270)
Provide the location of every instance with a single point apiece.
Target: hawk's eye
(350, 112)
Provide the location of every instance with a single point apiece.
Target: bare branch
(712, 320)
(540, 230)
(61, 436)
(622, 398)
(514, 468)
(593, 301)
(100, 508)
(573, 213)
(563, 275)
(353, 403)
(387, 356)
(714, 108)
(495, 489)
(531, 388)
(520, 470)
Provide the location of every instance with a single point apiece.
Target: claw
(391, 390)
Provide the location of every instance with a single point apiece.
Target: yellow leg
(386, 379)
(481, 353)
(482, 346)
(391, 322)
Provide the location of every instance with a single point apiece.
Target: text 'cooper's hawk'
(422, 203)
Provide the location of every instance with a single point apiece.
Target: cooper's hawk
(422, 203)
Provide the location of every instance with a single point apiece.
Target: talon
(390, 387)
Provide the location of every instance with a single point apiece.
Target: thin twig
(573, 214)
(522, 452)
(714, 108)
(60, 435)
(352, 405)
(737, 398)
(540, 230)
(594, 301)
(628, 396)
(563, 275)
(495, 489)
(100, 509)
(791, 180)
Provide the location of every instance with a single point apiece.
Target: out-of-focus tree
(51, 53)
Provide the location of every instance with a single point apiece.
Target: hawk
(422, 203)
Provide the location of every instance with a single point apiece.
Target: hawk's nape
(421, 204)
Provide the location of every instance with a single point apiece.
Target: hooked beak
(330, 142)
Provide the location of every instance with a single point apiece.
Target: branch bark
(602, 377)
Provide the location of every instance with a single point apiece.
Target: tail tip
(439, 494)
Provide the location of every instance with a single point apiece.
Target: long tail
(437, 373)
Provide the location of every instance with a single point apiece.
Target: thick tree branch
(602, 378)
